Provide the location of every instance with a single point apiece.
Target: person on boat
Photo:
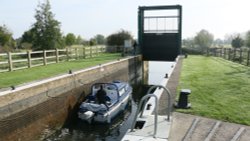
(101, 95)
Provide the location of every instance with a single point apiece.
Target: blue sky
(90, 17)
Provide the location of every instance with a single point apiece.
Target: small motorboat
(105, 101)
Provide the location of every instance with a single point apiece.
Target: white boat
(115, 101)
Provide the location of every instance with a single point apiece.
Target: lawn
(220, 89)
(8, 79)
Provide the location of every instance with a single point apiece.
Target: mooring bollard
(183, 99)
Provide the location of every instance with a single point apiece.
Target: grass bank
(8, 79)
(220, 89)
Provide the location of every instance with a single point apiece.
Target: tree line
(204, 40)
(46, 34)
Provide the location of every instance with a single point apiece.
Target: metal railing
(148, 95)
(155, 110)
(169, 98)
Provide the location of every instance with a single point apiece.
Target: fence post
(221, 52)
(83, 53)
(225, 53)
(96, 50)
(248, 57)
(29, 58)
(234, 53)
(10, 61)
(229, 53)
(57, 55)
(44, 58)
(207, 51)
(76, 53)
(67, 53)
(241, 59)
(101, 49)
(91, 52)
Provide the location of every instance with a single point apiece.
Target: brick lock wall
(61, 102)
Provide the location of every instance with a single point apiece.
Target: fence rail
(240, 55)
(15, 61)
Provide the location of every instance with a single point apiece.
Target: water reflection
(157, 71)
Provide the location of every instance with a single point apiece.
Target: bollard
(183, 99)
(148, 106)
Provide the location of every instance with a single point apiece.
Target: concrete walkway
(172, 86)
(194, 128)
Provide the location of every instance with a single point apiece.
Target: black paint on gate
(163, 47)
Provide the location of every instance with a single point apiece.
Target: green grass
(220, 89)
(42, 72)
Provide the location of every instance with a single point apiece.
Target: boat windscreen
(121, 91)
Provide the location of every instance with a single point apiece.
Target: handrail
(155, 110)
(169, 98)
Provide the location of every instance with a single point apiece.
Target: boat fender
(88, 115)
(109, 119)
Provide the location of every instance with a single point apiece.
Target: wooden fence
(239, 55)
(15, 61)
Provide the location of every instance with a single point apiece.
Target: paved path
(194, 128)
(172, 86)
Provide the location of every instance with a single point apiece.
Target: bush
(192, 51)
(117, 39)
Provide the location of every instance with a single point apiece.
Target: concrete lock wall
(29, 111)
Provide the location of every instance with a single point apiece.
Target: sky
(90, 17)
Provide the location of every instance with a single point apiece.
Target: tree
(100, 39)
(7, 43)
(92, 42)
(237, 42)
(228, 38)
(188, 43)
(247, 40)
(79, 40)
(70, 39)
(203, 40)
(5, 36)
(47, 34)
(218, 42)
(28, 36)
(119, 38)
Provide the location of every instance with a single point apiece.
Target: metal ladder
(148, 95)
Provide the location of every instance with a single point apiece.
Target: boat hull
(107, 117)
(119, 97)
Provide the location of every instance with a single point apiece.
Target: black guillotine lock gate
(159, 32)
